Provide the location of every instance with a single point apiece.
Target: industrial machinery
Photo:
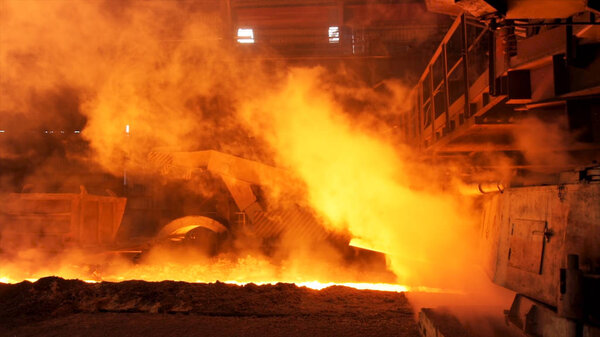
(55, 221)
(513, 94)
(238, 211)
(542, 242)
(257, 203)
(245, 182)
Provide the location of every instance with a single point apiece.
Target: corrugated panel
(291, 221)
(262, 226)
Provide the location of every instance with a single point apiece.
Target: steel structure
(487, 77)
(502, 70)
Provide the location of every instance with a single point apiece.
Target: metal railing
(442, 97)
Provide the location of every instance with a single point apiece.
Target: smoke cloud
(167, 71)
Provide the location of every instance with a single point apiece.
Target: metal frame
(444, 126)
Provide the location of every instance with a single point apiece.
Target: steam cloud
(166, 69)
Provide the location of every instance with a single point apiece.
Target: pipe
(490, 187)
(482, 188)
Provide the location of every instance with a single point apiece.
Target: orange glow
(240, 272)
(158, 69)
(311, 285)
(316, 285)
(361, 182)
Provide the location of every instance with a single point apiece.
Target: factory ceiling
(312, 28)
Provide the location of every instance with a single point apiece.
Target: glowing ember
(316, 285)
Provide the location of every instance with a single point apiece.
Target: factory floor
(147, 325)
(56, 307)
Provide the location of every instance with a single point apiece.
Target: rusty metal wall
(58, 220)
(527, 233)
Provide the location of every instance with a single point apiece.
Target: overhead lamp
(245, 35)
(334, 34)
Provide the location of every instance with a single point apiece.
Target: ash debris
(39, 305)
